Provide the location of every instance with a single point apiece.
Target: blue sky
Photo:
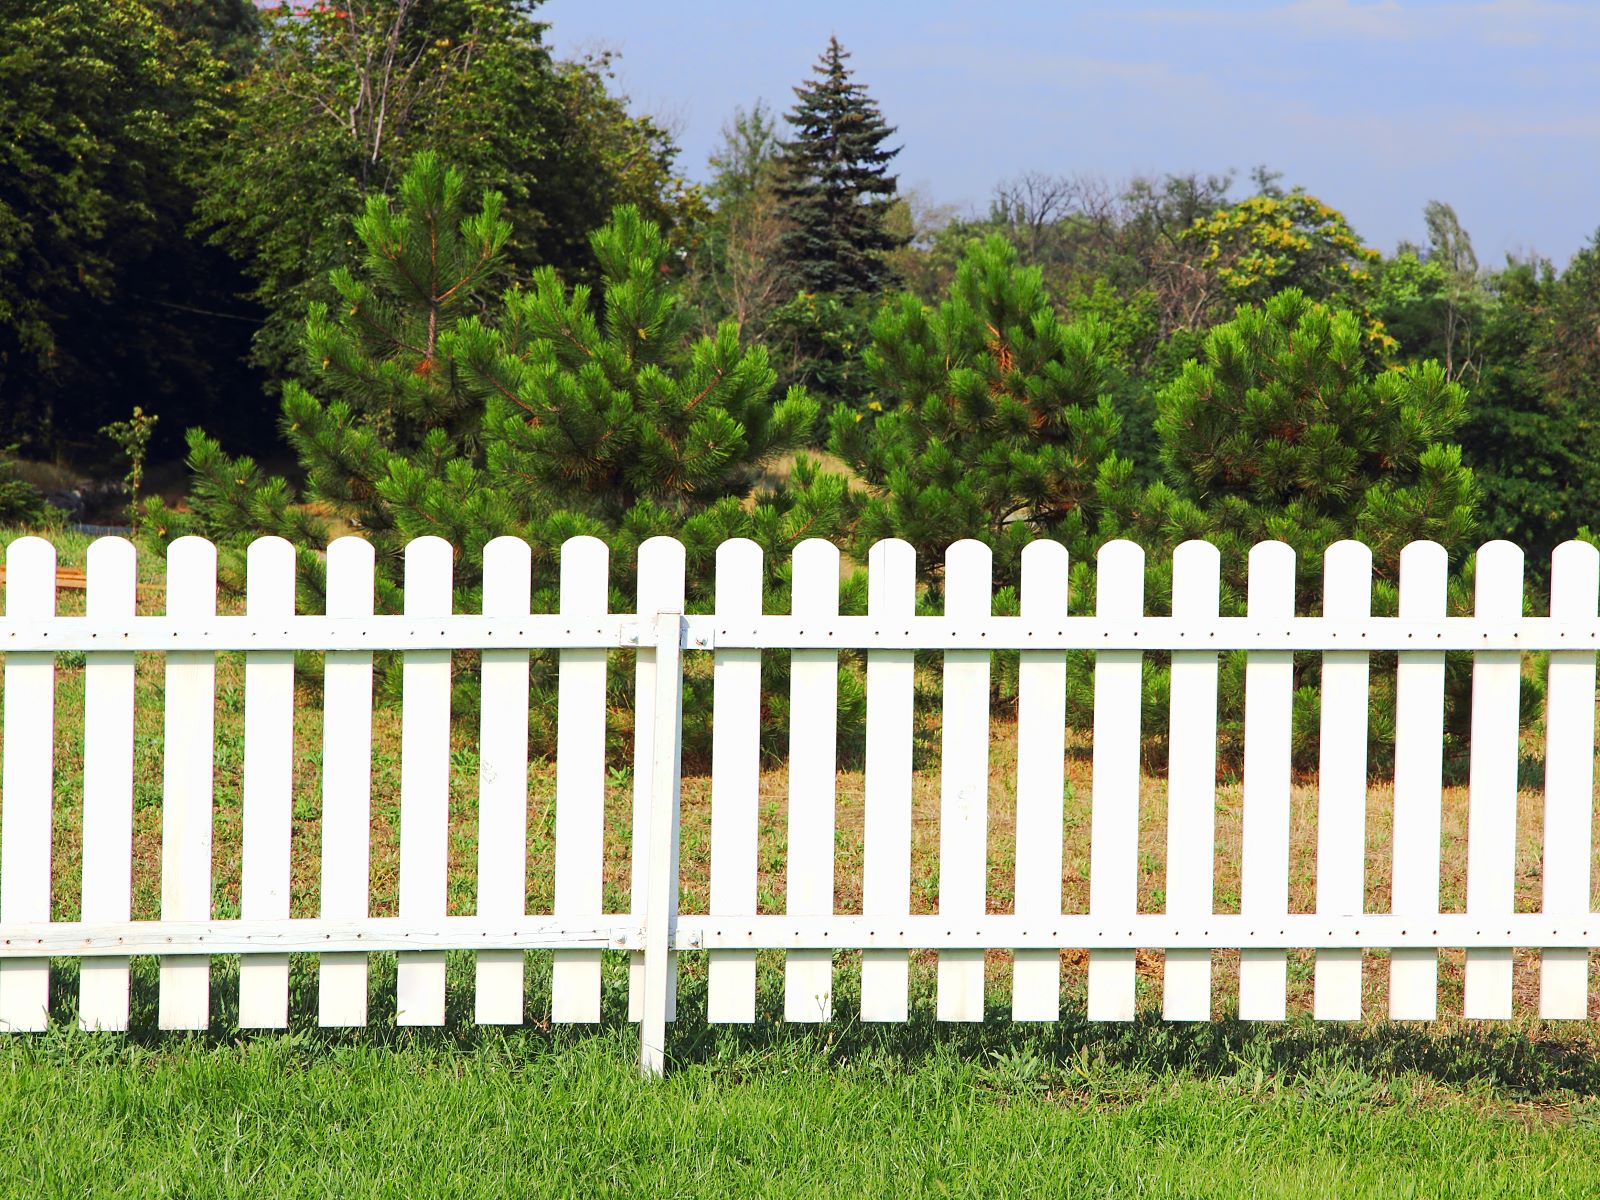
(1376, 107)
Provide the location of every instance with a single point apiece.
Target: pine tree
(835, 188)
(999, 424)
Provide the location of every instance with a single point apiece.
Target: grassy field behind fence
(1452, 1108)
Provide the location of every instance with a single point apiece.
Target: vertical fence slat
(29, 748)
(1569, 780)
(735, 781)
(108, 689)
(268, 798)
(813, 743)
(1041, 782)
(1418, 763)
(186, 780)
(1342, 781)
(1191, 782)
(1268, 744)
(886, 848)
(1492, 781)
(964, 779)
(1114, 812)
(660, 589)
(424, 783)
(580, 780)
(503, 782)
(346, 784)
(660, 911)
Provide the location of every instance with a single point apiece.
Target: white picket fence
(810, 933)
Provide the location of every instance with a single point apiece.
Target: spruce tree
(999, 422)
(835, 189)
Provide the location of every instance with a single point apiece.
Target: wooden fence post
(661, 881)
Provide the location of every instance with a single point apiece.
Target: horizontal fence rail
(582, 638)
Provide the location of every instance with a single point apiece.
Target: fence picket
(1418, 764)
(503, 782)
(346, 784)
(1114, 804)
(813, 741)
(108, 688)
(28, 784)
(186, 783)
(660, 590)
(424, 782)
(1192, 781)
(964, 779)
(886, 850)
(1041, 782)
(1342, 781)
(735, 781)
(1569, 780)
(1268, 746)
(1492, 781)
(580, 780)
(268, 793)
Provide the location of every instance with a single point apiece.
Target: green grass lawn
(1146, 1109)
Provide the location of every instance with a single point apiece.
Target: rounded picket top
(1424, 579)
(660, 576)
(112, 569)
(968, 579)
(1574, 581)
(815, 586)
(507, 577)
(1347, 580)
(1045, 573)
(892, 578)
(430, 563)
(1119, 580)
(1269, 590)
(269, 577)
(585, 575)
(739, 574)
(30, 578)
(191, 578)
(1497, 583)
(351, 574)
(1196, 579)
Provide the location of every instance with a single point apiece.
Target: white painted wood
(886, 845)
(424, 782)
(580, 780)
(661, 875)
(1114, 816)
(108, 687)
(660, 589)
(503, 782)
(268, 783)
(1268, 721)
(1342, 782)
(547, 631)
(346, 783)
(27, 783)
(1041, 782)
(1569, 781)
(1492, 781)
(1192, 782)
(964, 779)
(813, 745)
(1418, 763)
(735, 782)
(186, 780)
(621, 931)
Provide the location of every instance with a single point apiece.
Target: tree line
(395, 267)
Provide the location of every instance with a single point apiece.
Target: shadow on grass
(1526, 1060)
